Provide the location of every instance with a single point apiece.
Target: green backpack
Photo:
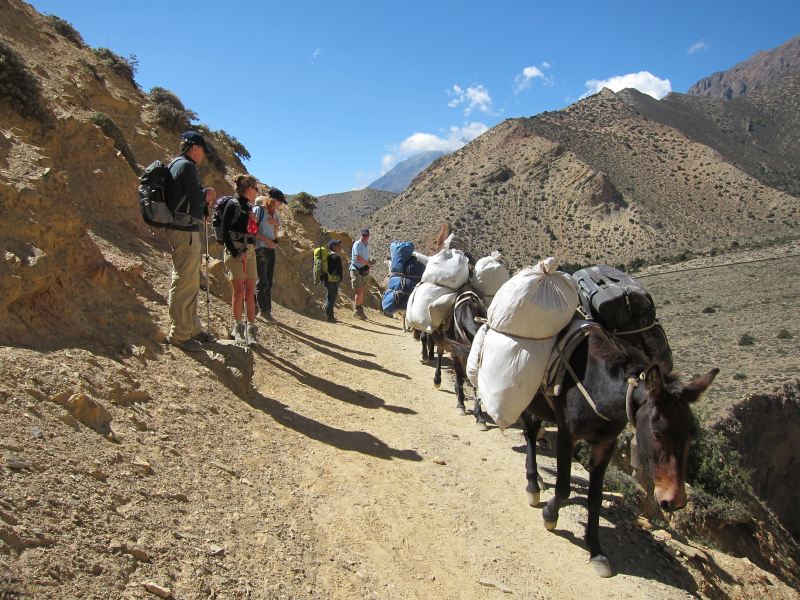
(321, 258)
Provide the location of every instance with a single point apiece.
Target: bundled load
(406, 272)
(490, 274)
(510, 353)
(433, 299)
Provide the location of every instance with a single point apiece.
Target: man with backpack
(359, 269)
(268, 218)
(189, 202)
(332, 273)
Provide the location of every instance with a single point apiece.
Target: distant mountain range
(349, 211)
(616, 178)
(748, 75)
(401, 176)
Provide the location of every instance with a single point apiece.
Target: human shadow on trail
(370, 330)
(379, 324)
(240, 385)
(334, 390)
(356, 362)
(302, 334)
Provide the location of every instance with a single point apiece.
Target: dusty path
(365, 424)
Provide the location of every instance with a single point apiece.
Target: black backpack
(614, 299)
(157, 195)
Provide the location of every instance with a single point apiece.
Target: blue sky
(328, 95)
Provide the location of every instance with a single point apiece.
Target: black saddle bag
(614, 299)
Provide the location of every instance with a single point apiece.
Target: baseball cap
(196, 139)
(333, 243)
(365, 231)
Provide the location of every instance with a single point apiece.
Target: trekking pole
(208, 283)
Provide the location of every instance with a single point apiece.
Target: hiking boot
(204, 337)
(332, 320)
(190, 345)
(252, 334)
(361, 314)
(238, 333)
(266, 316)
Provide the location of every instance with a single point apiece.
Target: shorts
(236, 267)
(357, 279)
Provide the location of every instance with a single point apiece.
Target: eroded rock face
(766, 429)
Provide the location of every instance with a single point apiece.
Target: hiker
(332, 276)
(240, 256)
(186, 331)
(268, 219)
(359, 269)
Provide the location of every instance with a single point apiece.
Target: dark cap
(196, 139)
(365, 231)
(277, 195)
(333, 243)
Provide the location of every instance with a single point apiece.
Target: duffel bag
(615, 299)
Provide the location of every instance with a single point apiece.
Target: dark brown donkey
(625, 387)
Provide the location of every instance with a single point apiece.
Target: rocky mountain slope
(614, 178)
(402, 174)
(751, 74)
(348, 211)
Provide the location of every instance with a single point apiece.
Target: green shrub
(709, 310)
(111, 130)
(170, 112)
(739, 376)
(212, 155)
(747, 340)
(124, 67)
(715, 467)
(784, 334)
(65, 29)
(19, 87)
(303, 203)
(237, 146)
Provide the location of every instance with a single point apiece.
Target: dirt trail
(367, 431)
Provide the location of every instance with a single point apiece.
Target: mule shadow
(329, 388)
(370, 330)
(356, 362)
(241, 387)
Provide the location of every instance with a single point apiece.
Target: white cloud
(644, 81)
(316, 53)
(418, 142)
(697, 46)
(523, 80)
(474, 97)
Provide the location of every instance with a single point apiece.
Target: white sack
(417, 311)
(537, 302)
(475, 357)
(448, 268)
(510, 373)
(423, 258)
(490, 275)
(440, 309)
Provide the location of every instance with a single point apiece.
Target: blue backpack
(401, 284)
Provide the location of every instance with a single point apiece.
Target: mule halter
(633, 383)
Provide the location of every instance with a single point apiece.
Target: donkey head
(664, 428)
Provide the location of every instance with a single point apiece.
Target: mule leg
(600, 457)
(564, 445)
(437, 375)
(458, 368)
(530, 427)
(425, 353)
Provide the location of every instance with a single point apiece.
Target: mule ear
(654, 381)
(696, 387)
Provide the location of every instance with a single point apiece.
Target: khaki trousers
(185, 285)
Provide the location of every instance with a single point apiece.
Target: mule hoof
(601, 565)
(482, 426)
(533, 500)
(437, 385)
(550, 525)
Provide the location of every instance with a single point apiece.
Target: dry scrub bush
(111, 130)
(303, 203)
(124, 67)
(170, 112)
(65, 29)
(19, 87)
(237, 146)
